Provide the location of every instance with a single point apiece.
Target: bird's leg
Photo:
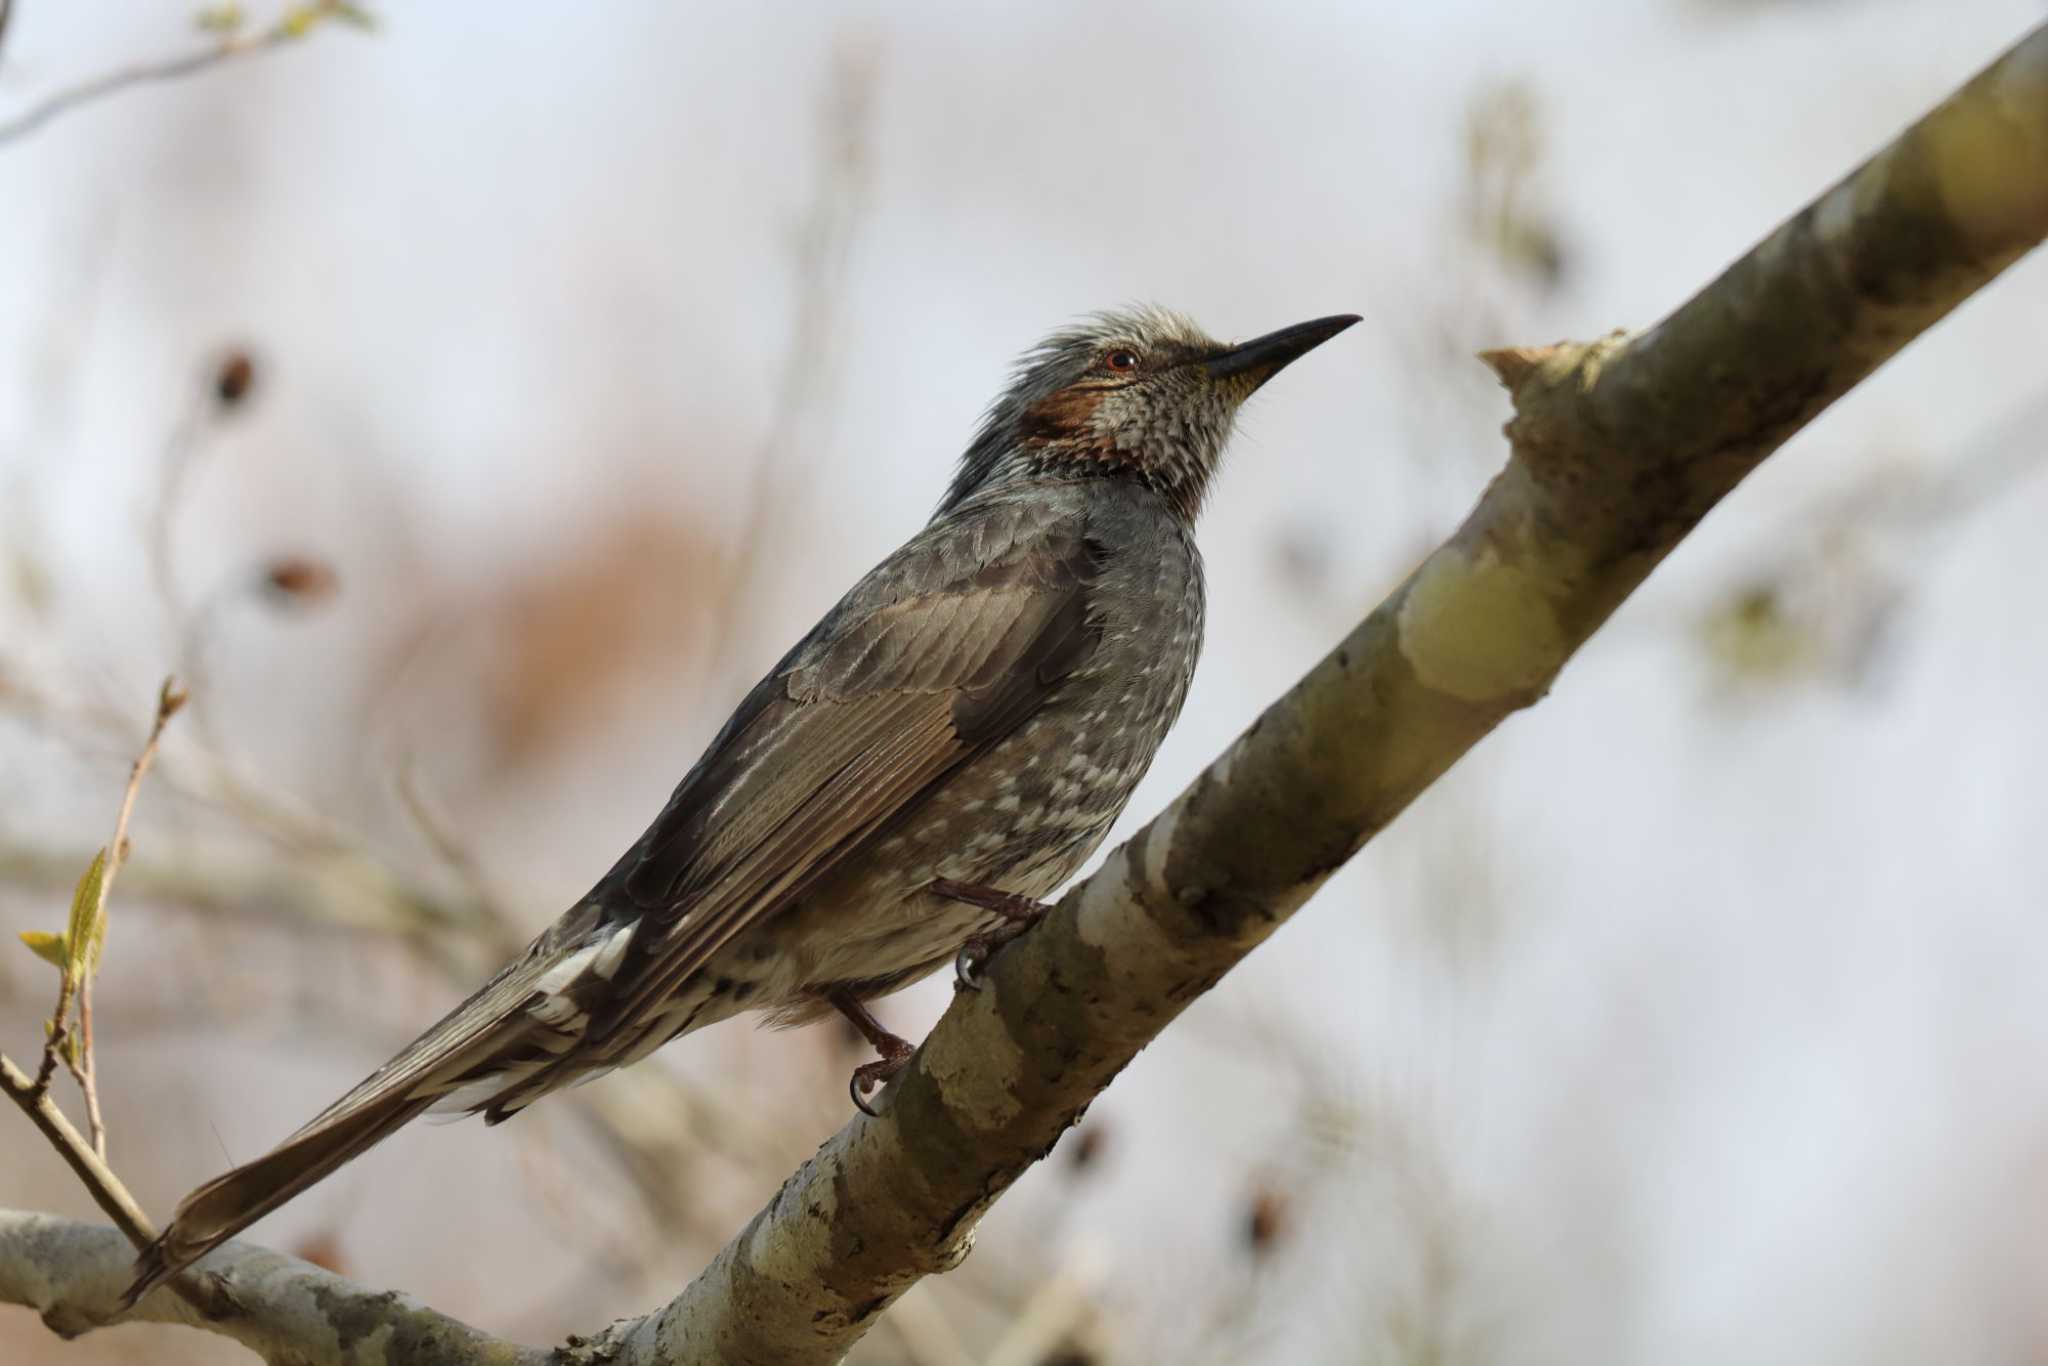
(1019, 914)
(895, 1051)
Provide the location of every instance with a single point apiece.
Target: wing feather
(910, 745)
(897, 688)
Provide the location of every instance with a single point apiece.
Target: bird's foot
(894, 1049)
(895, 1053)
(1019, 914)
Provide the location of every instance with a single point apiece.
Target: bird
(945, 748)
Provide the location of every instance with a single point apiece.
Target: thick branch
(1619, 448)
(292, 1311)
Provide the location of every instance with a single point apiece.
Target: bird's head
(1141, 394)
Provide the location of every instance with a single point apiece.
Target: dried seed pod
(233, 380)
(300, 580)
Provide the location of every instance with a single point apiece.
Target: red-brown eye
(1121, 360)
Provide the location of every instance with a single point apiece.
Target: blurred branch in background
(1506, 213)
(1827, 605)
(823, 239)
(540, 655)
(231, 41)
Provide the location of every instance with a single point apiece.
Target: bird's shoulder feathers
(941, 650)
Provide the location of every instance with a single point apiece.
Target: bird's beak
(1261, 358)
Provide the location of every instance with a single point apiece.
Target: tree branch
(204, 1294)
(1619, 447)
(286, 1310)
(91, 1166)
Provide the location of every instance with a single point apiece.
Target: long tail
(228, 1204)
(498, 1039)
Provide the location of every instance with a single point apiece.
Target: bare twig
(494, 920)
(81, 1065)
(297, 22)
(179, 452)
(823, 238)
(203, 1292)
(83, 1158)
(1053, 1313)
(142, 73)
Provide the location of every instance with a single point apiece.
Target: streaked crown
(1140, 394)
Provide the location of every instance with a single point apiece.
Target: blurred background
(469, 410)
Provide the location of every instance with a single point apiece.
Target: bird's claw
(979, 948)
(968, 962)
(870, 1075)
(1019, 914)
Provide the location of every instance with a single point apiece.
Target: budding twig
(81, 960)
(297, 21)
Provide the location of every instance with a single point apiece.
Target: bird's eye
(1121, 360)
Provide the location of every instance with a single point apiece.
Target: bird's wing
(941, 651)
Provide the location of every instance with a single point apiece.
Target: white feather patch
(613, 952)
(566, 971)
(560, 1011)
(475, 1094)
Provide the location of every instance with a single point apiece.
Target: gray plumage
(978, 708)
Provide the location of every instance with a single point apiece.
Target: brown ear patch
(1061, 416)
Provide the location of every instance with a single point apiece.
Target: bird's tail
(231, 1202)
(491, 1041)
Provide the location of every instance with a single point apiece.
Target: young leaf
(48, 947)
(222, 19)
(87, 934)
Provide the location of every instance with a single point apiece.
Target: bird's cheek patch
(1061, 416)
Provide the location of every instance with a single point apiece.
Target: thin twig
(82, 1072)
(169, 698)
(495, 923)
(1052, 1313)
(98, 1178)
(823, 240)
(201, 1290)
(179, 452)
(924, 1335)
(143, 73)
(76, 981)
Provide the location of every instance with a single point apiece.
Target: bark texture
(1619, 447)
(288, 1312)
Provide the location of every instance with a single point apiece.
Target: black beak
(1263, 357)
